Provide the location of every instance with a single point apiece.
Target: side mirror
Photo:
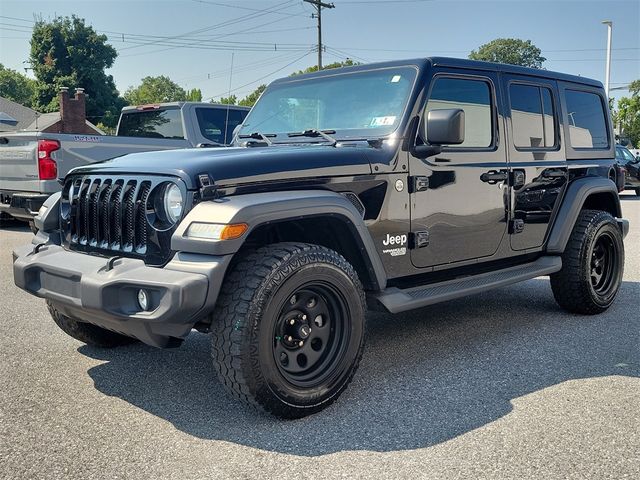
(444, 127)
(441, 127)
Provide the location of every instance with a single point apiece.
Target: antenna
(226, 122)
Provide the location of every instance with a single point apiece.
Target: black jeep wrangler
(393, 186)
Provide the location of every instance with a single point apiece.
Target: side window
(472, 96)
(212, 123)
(587, 120)
(532, 116)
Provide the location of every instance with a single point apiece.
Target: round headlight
(173, 203)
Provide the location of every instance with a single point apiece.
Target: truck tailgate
(19, 163)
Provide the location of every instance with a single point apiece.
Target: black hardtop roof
(454, 63)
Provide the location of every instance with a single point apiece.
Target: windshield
(357, 104)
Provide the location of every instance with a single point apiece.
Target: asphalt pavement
(500, 385)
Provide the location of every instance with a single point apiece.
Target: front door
(460, 197)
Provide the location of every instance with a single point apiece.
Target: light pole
(607, 77)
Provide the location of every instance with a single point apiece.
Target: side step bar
(397, 300)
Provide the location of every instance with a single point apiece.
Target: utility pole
(607, 77)
(319, 6)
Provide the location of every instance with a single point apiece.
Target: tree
(156, 90)
(253, 97)
(510, 50)
(67, 53)
(230, 100)
(16, 86)
(628, 114)
(194, 95)
(347, 63)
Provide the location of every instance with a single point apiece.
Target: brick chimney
(72, 111)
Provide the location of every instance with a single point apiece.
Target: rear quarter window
(152, 124)
(587, 120)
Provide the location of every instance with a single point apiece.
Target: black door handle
(494, 176)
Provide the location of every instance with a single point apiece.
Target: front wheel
(592, 265)
(288, 330)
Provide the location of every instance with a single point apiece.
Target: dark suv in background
(630, 167)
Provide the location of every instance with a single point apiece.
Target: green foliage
(252, 98)
(67, 53)
(156, 90)
(230, 100)
(194, 95)
(16, 86)
(628, 114)
(347, 63)
(510, 50)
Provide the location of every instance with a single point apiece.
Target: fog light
(143, 300)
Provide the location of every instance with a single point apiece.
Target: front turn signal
(216, 231)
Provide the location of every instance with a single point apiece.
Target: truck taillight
(47, 168)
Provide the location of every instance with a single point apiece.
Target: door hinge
(516, 226)
(418, 184)
(517, 178)
(419, 239)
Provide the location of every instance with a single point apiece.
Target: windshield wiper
(260, 136)
(313, 133)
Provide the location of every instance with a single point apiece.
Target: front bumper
(23, 205)
(83, 287)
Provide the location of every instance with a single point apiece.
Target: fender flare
(259, 209)
(574, 199)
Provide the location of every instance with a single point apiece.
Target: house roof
(28, 119)
(22, 115)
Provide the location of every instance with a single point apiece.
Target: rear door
(457, 212)
(536, 157)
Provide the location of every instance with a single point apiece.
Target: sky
(235, 45)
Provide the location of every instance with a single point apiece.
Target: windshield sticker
(382, 121)
(395, 78)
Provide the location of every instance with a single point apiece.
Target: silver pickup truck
(32, 162)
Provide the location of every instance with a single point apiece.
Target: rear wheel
(88, 333)
(592, 265)
(288, 330)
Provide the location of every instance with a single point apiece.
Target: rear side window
(587, 120)
(472, 96)
(532, 116)
(152, 124)
(212, 123)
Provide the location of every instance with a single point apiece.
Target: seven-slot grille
(111, 214)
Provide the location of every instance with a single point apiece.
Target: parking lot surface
(499, 385)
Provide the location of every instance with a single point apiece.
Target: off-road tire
(88, 333)
(572, 286)
(32, 227)
(254, 294)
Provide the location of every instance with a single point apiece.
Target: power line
(261, 78)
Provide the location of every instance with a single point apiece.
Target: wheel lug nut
(304, 317)
(300, 343)
(292, 322)
(290, 338)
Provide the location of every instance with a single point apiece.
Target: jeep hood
(229, 166)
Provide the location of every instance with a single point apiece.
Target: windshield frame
(339, 133)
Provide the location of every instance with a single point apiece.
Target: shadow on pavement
(426, 376)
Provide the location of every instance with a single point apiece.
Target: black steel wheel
(592, 265)
(288, 330)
